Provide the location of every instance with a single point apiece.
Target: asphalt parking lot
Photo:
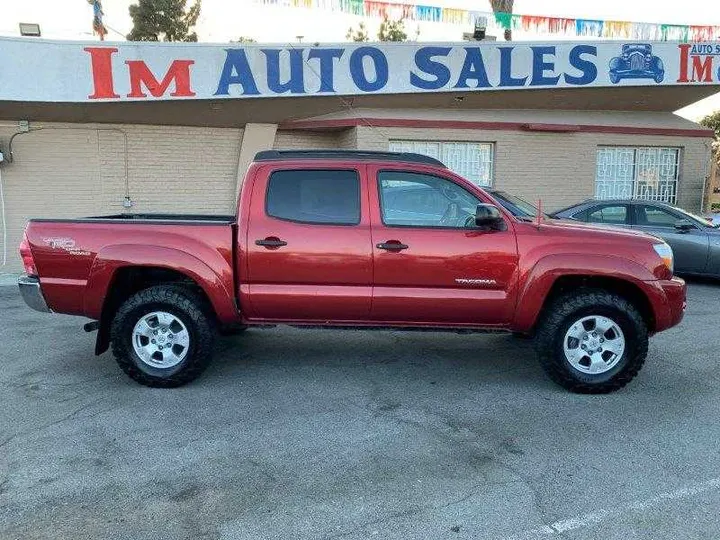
(320, 434)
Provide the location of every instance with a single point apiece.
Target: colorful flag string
(499, 22)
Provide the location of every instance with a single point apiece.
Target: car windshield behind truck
(518, 207)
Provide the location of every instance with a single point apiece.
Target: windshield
(698, 220)
(516, 206)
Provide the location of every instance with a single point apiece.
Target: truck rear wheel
(163, 336)
(592, 342)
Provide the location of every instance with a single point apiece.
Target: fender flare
(536, 284)
(110, 259)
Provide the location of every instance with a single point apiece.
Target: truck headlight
(665, 252)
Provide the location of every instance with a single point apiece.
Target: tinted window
(654, 216)
(421, 200)
(330, 197)
(613, 215)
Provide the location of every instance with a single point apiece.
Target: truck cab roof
(344, 155)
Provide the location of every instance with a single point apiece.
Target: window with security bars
(645, 172)
(470, 160)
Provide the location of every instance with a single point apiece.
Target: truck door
(432, 264)
(308, 250)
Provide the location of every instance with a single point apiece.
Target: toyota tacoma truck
(355, 239)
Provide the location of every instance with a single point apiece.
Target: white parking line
(593, 518)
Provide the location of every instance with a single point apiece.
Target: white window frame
(461, 164)
(648, 173)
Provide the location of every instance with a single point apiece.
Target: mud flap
(102, 342)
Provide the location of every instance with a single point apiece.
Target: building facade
(78, 155)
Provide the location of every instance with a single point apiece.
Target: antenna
(539, 212)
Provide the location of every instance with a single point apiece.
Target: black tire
(191, 309)
(563, 312)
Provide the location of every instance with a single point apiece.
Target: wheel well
(131, 279)
(631, 292)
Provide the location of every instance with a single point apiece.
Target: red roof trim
(507, 126)
(552, 128)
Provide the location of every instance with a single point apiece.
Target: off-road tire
(182, 302)
(563, 312)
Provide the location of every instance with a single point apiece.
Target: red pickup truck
(355, 239)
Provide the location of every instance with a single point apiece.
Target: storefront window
(471, 160)
(648, 173)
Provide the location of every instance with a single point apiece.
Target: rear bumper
(31, 293)
(669, 303)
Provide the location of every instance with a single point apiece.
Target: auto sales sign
(52, 71)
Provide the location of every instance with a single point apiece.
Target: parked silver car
(694, 241)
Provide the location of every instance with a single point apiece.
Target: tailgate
(63, 257)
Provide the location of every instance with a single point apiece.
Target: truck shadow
(425, 355)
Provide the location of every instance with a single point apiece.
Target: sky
(225, 20)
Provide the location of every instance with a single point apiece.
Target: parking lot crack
(65, 418)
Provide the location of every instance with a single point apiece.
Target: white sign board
(58, 71)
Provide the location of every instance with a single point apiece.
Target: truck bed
(188, 219)
(77, 259)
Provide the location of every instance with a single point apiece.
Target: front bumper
(31, 293)
(670, 309)
(635, 73)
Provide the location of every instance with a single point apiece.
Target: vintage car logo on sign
(636, 61)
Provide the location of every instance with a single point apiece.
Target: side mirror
(487, 215)
(683, 225)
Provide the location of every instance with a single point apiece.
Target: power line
(111, 28)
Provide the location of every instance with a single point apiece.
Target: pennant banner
(532, 24)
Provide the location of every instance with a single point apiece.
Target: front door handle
(271, 242)
(392, 245)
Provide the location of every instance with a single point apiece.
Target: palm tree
(503, 6)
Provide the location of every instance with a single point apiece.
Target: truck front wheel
(163, 336)
(592, 342)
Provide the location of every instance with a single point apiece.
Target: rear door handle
(392, 245)
(271, 242)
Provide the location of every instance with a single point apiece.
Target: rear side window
(330, 197)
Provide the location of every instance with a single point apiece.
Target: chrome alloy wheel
(594, 344)
(161, 340)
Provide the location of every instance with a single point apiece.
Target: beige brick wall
(79, 170)
(559, 168)
(172, 169)
(347, 139)
(73, 170)
(305, 140)
(51, 176)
